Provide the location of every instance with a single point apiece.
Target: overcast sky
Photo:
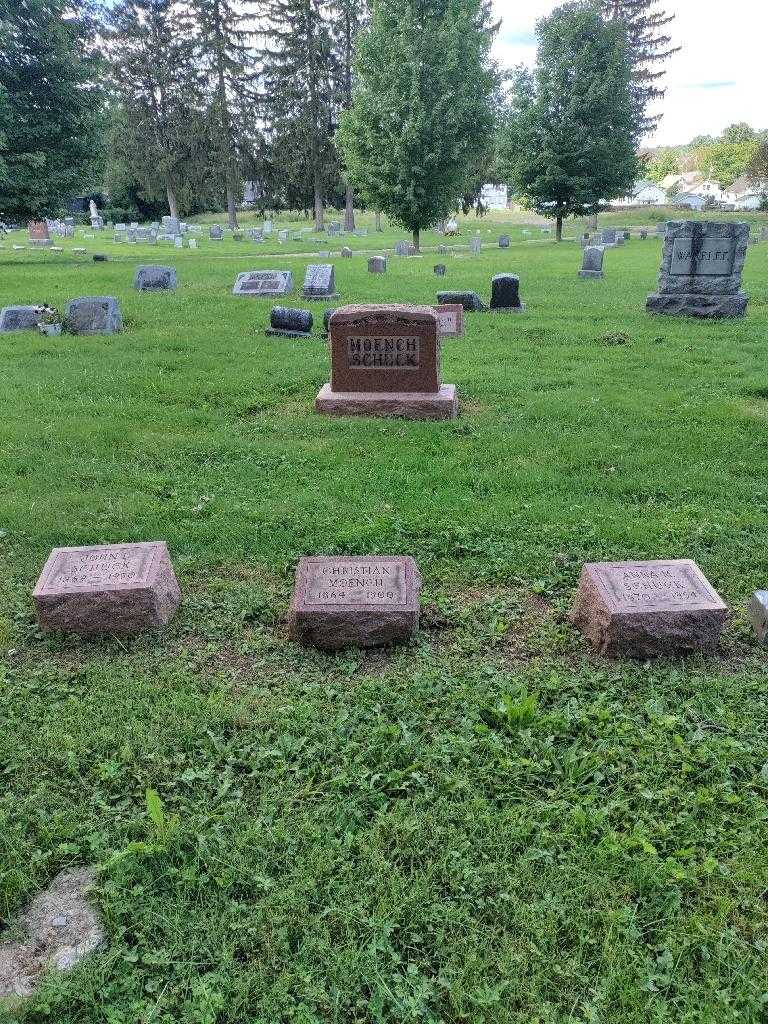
(717, 78)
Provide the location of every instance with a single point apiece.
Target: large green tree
(299, 69)
(348, 18)
(650, 46)
(568, 143)
(51, 110)
(157, 141)
(422, 108)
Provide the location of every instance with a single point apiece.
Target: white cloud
(718, 76)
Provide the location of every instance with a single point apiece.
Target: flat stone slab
(59, 928)
(409, 405)
(258, 283)
(108, 588)
(646, 609)
(18, 318)
(155, 279)
(93, 314)
(470, 301)
(703, 307)
(343, 602)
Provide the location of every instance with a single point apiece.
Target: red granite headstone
(38, 233)
(110, 588)
(644, 609)
(385, 361)
(355, 602)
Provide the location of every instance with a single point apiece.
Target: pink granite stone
(355, 602)
(645, 609)
(450, 319)
(111, 588)
(439, 405)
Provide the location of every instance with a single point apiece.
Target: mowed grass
(489, 825)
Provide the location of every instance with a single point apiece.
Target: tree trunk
(173, 208)
(416, 234)
(378, 221)
(349, 210)
(231, 206)
(559, 229)
(319, 222)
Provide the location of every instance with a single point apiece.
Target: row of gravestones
(701, 269)
(88, 314)
(637, 609)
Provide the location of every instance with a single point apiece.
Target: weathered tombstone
(439, 269)
(401, 248)
(645, 609)
(757, 611)
(608, 236)
(216, 232)
(282, 235)
(764, 234)
(469, 301)
(377, 265)
(111, 588)
(412, 249)
(264, 282)
(619, 239)
(285, 322)
(475, 245)
(504, 242)
(442, 250)
(39, 235)
(172, 225)
(346, 252)
(93, 314)
(505, 294)
(701, 270)
(643, 234)
(319, 282)
(385, 361)
(255, 235)
(178, 242)
(343, 601)
(192, 243)
(592, 262)
(154, 279)
(450, 320)
(267, 227)
(19, 318)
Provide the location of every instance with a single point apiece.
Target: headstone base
(705, 307)
(40, 243)
(591, 273)
(508, 309)
(273, 332)
(417, 405)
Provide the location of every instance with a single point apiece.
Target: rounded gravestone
(288, 322)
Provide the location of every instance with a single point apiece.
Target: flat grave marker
(18, 318)
(264, 283)
(93, 314)
(346, 601)
(155, 279)
(645, 609)
(107, 588)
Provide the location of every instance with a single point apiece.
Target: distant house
(690, 201)
(494, 197)
(644, 193)
(710, 189)
(746, 194)
(681, 182)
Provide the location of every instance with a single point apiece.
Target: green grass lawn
(489, 825)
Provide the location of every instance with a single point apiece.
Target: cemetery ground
(488, 825)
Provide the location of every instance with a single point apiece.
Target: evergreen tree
(422, 107)
(568, 141)
(157, 136)
(649, 47)
(349, 18)
(226, 31)
(299, 70)
(51, 106)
